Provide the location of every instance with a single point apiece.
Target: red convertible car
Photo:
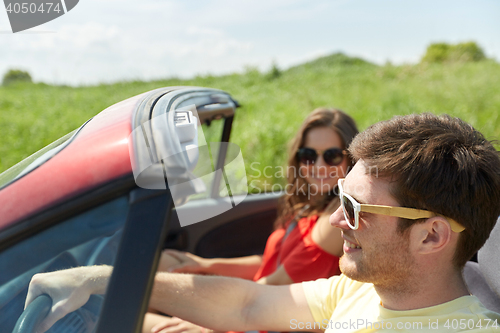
(152, 172)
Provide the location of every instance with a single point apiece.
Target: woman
(303, 246)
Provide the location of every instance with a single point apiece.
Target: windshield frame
(35, 160)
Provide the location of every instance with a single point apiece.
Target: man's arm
(223, 303)
(219, 303)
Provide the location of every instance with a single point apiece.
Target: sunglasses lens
(348, 209)
(333, 156)
(307, 156)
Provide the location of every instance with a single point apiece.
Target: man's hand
(69, 289)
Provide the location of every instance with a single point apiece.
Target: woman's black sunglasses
(331, 156)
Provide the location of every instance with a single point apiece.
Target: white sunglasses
(351, 209)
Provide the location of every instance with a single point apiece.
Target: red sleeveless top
(301, 257)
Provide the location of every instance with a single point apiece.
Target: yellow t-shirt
(339, 304)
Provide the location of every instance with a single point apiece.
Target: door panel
(242, 230)
(241, 237)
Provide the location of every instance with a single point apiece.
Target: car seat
(483, 277)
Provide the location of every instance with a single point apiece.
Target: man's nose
(337, 219)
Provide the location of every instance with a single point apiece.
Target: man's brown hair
(440, 164)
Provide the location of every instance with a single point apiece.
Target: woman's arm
(325, 236)
(185, 262)
(279, 277)
(154, 323)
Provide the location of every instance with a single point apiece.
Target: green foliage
(334, 60)
(32, 116)
(275, 72)
(469, 51)
(251, 76)
(15, 76)
(438, 52)
(462, 52)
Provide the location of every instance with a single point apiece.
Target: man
(401, 267)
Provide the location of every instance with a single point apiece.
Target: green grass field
(34, 115)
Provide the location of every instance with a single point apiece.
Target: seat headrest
(488, 258)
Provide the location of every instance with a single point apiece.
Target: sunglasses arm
(408, 213)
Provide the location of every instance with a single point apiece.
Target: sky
(105, 41)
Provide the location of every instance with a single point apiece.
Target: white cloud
(72, 38)
(204, 31)
(85, 35)
(213, 46)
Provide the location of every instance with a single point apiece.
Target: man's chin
(350, 269)
(347, 266)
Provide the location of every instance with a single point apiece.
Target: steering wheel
(82, 320)
(33, 315)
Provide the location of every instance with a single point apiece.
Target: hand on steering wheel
(69, 289)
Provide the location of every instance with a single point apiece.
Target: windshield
(87, 239)
(32, 162)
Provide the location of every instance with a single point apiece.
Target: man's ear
(432, 235)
